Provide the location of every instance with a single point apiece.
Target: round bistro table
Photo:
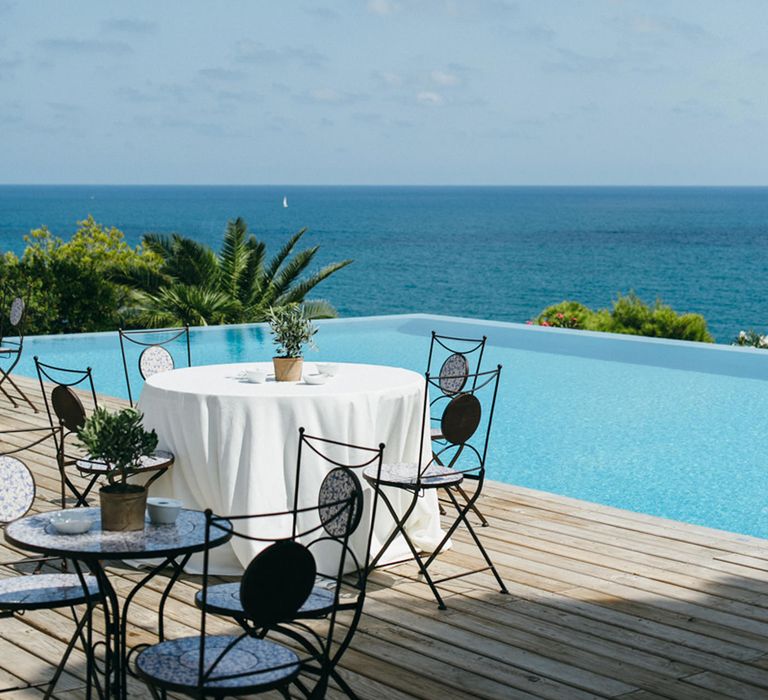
(171, 544)
(236, 442)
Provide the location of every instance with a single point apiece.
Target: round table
(236, 442)
(171, 545)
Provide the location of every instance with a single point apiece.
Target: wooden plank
(603, 603)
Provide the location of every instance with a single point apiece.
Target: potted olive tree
(120, 440)
(291, 331)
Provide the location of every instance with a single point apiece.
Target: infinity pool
(672, 429)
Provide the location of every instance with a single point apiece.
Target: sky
(361, 92)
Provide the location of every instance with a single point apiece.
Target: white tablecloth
(235, 442)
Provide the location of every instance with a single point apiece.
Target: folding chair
(276, 584)
(155, 356)
(66, 410)
(11, 348)
(466, 433)
(41, 591)
(461, 358)
(342, 462)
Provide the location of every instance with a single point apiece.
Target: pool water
(682, 444)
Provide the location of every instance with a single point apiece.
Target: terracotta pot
(288, 369)
(122, 507)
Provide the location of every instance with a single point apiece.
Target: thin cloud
(323, 13)
(429, 98)
(8, 67)
(388, 78)
(444, 78)
(129, 26)
(382, 8)
(247, 51)
(85, 46)
(568, 61)
(221, 74)
(331, 96)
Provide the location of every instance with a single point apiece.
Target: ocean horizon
(495, 252)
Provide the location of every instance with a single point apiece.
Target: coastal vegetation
(97, 282)
(630, 315)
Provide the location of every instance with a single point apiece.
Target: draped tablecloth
(236, 442)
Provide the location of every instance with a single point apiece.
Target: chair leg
(400, 529)
(463, 518)
(7, 395)
(19, 391)
(80, 624)
(343, 685)
(475, 509)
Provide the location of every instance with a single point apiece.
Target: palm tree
(194, 285)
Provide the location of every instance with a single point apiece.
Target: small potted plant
(291, 331)
(120, 440)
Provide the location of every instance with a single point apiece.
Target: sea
(501, 253)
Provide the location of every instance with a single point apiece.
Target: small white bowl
(70, 522)
(255, 375)
(163, 511)
(316, 378)
(328, 368)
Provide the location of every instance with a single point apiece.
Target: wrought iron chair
(11, 348)
(461, 357)
(466, 434)
(323, 602)
(65, 409)
(457, 367)
(276, 584)
(155, 356)
(42, 591)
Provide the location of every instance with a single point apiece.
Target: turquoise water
(680, 444)
(486, 252)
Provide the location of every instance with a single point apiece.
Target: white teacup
(163, 511)
(256, 375)
(328, 368)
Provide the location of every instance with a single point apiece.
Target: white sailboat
(285, 202)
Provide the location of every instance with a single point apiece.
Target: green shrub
(67, 284)
(630, 315)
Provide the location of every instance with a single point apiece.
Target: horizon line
(420, 185)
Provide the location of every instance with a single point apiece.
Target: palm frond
(140, 277)
(318, 308)
(193, 263)
(300, 290)
(290, 273)
(159, 243)
(234, 256)
(253, 275)
(284, 252)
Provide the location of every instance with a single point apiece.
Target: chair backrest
(458, 360)
(17, 493)
(12, 317)
(280, 578)
(62, 404)
(153, 355)
(466, 418)
(341, 465)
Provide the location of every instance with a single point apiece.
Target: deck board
(603, 603)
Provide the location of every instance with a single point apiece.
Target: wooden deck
(603, 603)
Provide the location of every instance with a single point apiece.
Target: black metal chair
(154, 356)
(461, 360)
(12, 347)
(466, 433)
(461, 357)
(41, 591)
(65, 409)
(346, 461)
(276, 584)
